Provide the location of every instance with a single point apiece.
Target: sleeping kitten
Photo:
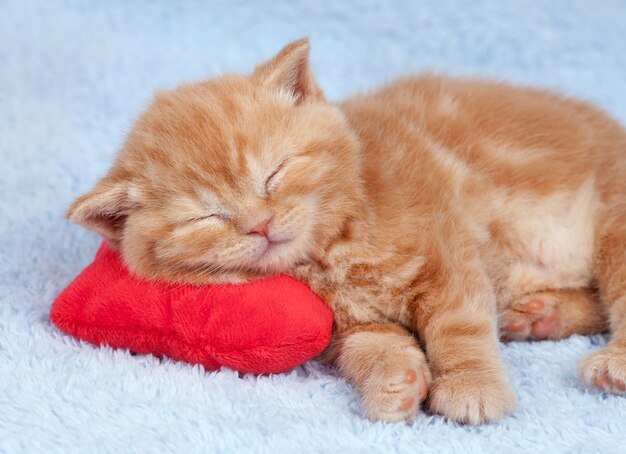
(446, 210)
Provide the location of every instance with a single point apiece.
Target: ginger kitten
(447, 210)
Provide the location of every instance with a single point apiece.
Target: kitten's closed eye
(215, 216)
(272, 181)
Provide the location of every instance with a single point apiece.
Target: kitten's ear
(104, 209)
(290, 70)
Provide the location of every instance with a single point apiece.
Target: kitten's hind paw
(530, 318)
(605, 369)
(552, 314)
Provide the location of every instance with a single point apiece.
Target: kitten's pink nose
(261, 228)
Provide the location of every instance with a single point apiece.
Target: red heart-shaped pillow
(265, 326)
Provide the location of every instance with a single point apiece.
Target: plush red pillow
(265, 326)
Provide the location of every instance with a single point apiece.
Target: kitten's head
(230, 178)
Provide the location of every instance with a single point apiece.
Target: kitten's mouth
(270, 257)
(272, 245)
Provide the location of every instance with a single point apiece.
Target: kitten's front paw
(605, 369)
(471, 397)
(395, 391)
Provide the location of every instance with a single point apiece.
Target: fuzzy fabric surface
(73, 75)
(265, 326)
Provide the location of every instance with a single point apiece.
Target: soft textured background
(73, 75)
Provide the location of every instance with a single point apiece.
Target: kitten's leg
(385, 364)
(552, 314)
(606, 369)
(457, 321)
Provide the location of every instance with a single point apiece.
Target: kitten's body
(428, 207)
(524, 178)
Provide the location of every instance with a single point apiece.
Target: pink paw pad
(407, 404)
(538, 322)
(411, 376)
(543, 327)
(422, 389)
